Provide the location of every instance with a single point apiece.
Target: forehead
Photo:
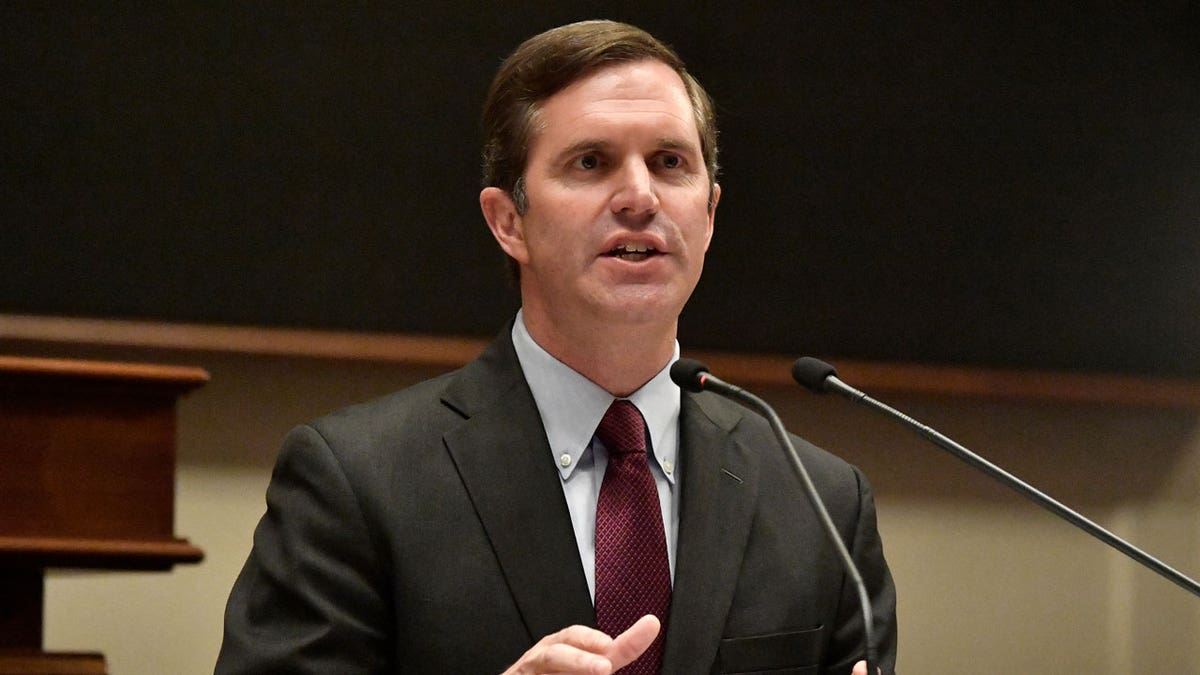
(646, 92)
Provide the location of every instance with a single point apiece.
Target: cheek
(552, 243)
(698, 225)
(563, 222)
(580, 201)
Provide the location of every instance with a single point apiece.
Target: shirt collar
(571, 405)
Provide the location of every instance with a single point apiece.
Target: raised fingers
(577, 649)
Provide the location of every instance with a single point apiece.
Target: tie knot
(622, 430)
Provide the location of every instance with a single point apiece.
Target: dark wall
(1010, 186)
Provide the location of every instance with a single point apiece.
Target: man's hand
(860, 668)
(580, 650)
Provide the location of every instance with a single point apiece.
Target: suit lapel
(505, 463)
(720, 486)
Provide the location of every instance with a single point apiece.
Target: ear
(712, 213)
(505, 223)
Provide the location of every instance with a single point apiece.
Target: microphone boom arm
(1042, 499)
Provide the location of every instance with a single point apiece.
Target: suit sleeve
(866, 549)
(311, 597)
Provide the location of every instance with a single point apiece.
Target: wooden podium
(87, 480)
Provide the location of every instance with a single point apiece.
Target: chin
(640, 303)
(644, 311)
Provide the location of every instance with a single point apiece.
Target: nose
(635, 192)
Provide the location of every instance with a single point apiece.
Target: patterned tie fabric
(633, 577)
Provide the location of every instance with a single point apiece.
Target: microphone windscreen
(687, 374)
(811, 373)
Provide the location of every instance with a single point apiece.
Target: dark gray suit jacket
(426, 532)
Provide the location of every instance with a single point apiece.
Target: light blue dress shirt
(571, 407)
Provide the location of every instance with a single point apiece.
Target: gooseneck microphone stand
(820, 377)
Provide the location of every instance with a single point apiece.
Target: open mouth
(632, 252)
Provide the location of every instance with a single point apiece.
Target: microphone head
(812, 373)
(689, 374)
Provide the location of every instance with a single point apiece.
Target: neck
(618, 358)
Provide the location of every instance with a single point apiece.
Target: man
(469, 524)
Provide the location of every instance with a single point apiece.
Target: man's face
(618, 218)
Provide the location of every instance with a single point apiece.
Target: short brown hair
(544, 65)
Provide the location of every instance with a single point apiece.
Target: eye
(670, 161)
(587, 162)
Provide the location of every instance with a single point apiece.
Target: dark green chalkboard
(1008, 186)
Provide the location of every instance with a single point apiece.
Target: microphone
(820, 377)
(693, 376)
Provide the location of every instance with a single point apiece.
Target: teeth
(632, 248)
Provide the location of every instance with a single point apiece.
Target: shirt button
(565, 460)
(668, 467)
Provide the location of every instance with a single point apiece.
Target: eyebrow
(583, 145)
(596, 144)
(676, 144)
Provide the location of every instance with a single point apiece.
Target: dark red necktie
(633, 577)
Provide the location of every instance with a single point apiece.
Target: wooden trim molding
(450, 352)
(355, 346)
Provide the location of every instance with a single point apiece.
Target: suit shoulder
(408, 409)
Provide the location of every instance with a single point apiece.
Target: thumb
(627, 646)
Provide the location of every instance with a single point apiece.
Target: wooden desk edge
(97, 553)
